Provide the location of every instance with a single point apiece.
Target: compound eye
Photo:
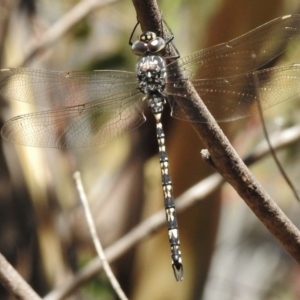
(156, 45)
(139, 48)
(147, 36)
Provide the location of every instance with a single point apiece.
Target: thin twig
(109, 273)
(62, 26)
(272, 151)
(14, 283)
(279, 140)
(198, 192)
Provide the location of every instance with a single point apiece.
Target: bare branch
(278, 140)
(272, 151)
(109, 273)
(14, 283)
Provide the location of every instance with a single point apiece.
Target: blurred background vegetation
(227, 253)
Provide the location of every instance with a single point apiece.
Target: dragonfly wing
(59, 89)
(77, 126)
(236, 97)
(242, 54)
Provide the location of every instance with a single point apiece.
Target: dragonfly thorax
(151, 73)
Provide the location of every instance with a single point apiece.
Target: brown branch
(14, 283)
(91, 224)
(224, 156)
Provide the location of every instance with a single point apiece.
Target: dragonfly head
(148, 43)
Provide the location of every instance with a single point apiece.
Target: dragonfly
(92, 108)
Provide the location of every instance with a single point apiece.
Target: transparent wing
(59, 89)
(240, 55)
(77, 126)
(236, 97)
(91, 108)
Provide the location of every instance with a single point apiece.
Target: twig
(224, 156)
(62, 26)
(279, 140)
(272, 151)
(198, 192)
(14, 283)
(112, 279)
